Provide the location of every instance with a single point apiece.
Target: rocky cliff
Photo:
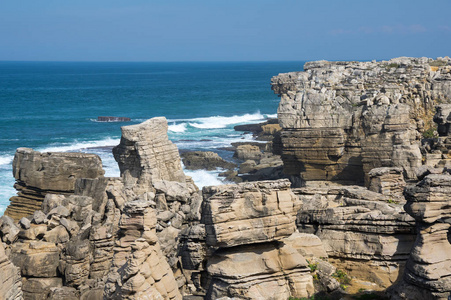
(342, 119)
(151, 234)
(38, 174)
(428, 272)
(366, 233)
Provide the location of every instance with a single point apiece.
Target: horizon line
(181, 61)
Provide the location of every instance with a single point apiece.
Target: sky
(231, 30)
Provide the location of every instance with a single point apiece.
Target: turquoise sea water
(53, 106)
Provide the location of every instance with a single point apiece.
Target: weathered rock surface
(387, 181)
(101, 241)
(341, 119)
(239, 250)
(10, 281)
(38, 174)
(363, 232)
(437, 147)
(262, 271)
(146, 155)
(144, 273)
(428, 270)
(248, 213)
(205, 160)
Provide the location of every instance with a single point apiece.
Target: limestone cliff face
(342, 119)
(10, 281)
(364, 232)
(242, 244)
(94, 237)
(146, 155)
(38, 174)
(428, 271)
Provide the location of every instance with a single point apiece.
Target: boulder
(259, 272)
(206, 160)
(38, 174)
(248, 212)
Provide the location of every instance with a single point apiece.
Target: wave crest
(179, 128)
(217, 122)
(76, 145)
(6, 159)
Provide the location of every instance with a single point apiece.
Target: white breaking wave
(6, 159)
(76, 145)
(222, 122)
(271, 116)
(204, 178)
(179, 128)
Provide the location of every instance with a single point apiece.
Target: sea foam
(6, 159)
(179, 128)
(204, 178)
(217, 122)
(80, 145)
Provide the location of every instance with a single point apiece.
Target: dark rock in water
(113, 119)
(205, 160)
(255, 128)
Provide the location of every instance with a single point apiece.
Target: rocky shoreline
(346, 195)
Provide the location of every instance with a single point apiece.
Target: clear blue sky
(227, 30)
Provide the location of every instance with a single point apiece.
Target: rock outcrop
(206, 160)
(363, 232)
(341, 119)
(146, 155)
(437, 147)
(241, 243)
(248, 213)
(428, 270)
(38, 174)
(151, 170)
(101, 239)
(10, 281)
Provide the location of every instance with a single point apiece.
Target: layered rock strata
(428, 271)
(151, 170)
(248, 213)
(38, 174)
(205, 160)
(363, 232)
(10, 281)
(241, 245)
(437, 147)
(146, 155)
(341, 119)
(101, 241)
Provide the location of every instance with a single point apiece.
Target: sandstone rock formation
(241, 247)
(205, 160)
(101, 241)
(248, 213)
(151, 170)
(437, 149)
(146, 155)
(10, 281)
(387, 181)
(363, 232)
(38, 174)
(341, 119)
(428, 271)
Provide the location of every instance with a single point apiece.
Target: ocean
(53, 106)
